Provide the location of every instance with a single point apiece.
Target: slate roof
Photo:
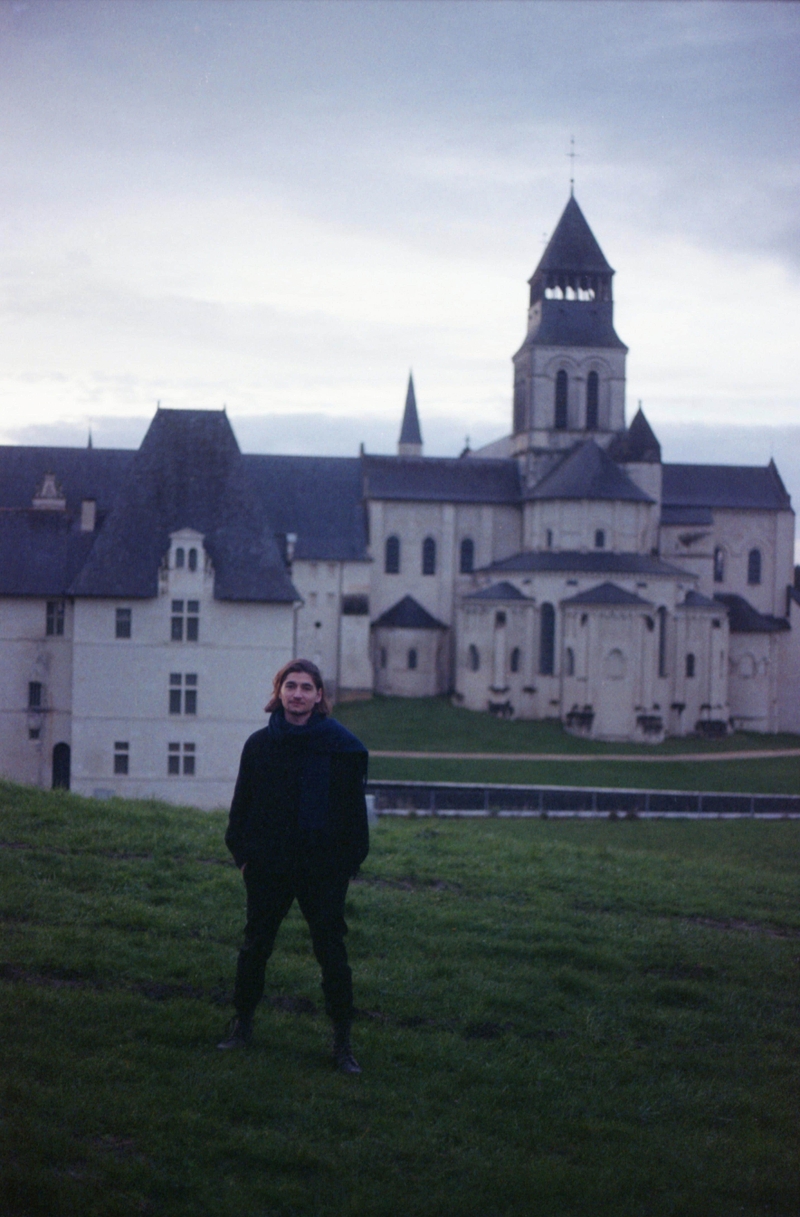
(576, 323)
(694, 599)
(638, 443)
(587, 472)
(316, 497)
(676, 516)
(742, 486)
(41, 552)
(596, 561)
(441, 479)
(573, 246)
(408, 614)
(744, 619)
(498, 591)
(410, 432)
(82, 473)
(188, 473)
(607, 593)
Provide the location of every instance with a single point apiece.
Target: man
(298, 829)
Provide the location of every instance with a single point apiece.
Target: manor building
(565, 571)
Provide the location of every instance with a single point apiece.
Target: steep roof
(188, 473)
(498, 591)
(678, 516)
(742, 486)
(410, 432)
(587, 472)
(82, 473)
(597, 561)
(573, 246)
(408, 614)
(316, 497)
(607, 593)
(41, 552)
(574, 323)
(637, 444)
(441, 479)
(744, 619)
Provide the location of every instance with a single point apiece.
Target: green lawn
(433, 724)
(560, 1019)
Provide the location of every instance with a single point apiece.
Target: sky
(284, 207)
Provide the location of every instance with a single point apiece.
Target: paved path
(648, 758)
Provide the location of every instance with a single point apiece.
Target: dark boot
(240, 1033)
(342, 1052)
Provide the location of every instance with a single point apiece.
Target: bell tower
(569, 373)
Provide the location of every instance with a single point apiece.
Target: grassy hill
(560, 1019)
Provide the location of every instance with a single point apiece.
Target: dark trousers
(321, 899)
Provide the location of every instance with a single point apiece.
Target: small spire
(89, 442)
(572, 154)
(410, 442)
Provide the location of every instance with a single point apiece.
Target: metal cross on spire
(572, 154)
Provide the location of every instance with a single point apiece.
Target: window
(549, 538)
(174, 759)
(662, 642)
(188, 624)
(690, 665)
(175, 692)
(719, 565)
(383, 657)
(599, 538)
(592, 396)
(35, 695)
(180, 558)
(754, 566)
(192, 620)
(569, 662)
(412, 659)
(54, 619)
(121, 755)
(176, 633)
(183, 698)
(547, 639)
(192, 559)
(561, 401)
(519, 406)
(190, 695)
(392, 562)
(429, 556)
(474, 658)
(499, 620)
(515, 659)
(188, 759)
(122, 625)
(466, 562)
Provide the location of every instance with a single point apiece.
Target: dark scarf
(313, 742)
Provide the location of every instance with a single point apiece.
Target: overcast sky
(284, 207)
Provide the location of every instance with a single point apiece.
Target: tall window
(192, 559)
(122, 623)
(412, 659)
(561, 401)
(662, 642)
(121, 756)
(35, 695)
(754, 566)
(719, 565)
(569, 662)
(690, 665)
(473, 658)
(174, 759)
(429, 556)
(185, 620)
(467, 556)
(54, 618)
(599, 538)
(515, 659)
(547, 639)
(180, 557)
(519, 406)
(392, 562)
(183, 693)
(592, 396)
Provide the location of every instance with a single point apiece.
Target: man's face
(299, 696)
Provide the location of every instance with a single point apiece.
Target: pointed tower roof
(638, 444)
(410, 442)
(573, 246)
(587, 472)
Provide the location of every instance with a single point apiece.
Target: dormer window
(49, 496)
(180, 557)
(192, 559)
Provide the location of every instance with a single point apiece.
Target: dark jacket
(265, 825)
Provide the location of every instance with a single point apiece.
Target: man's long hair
(310, 669)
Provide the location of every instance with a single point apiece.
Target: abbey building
(565, 571)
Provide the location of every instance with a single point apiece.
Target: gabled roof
(596, 561)
(744, 619)
(498, 591)
(637, 444)
(316, 497)
(608, 593)
(188, 473)
(587, 472)
(408, 614)
(440, 479)
(742, 486)
(573, 246)
(410, 432)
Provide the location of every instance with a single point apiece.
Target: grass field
(433, 724)
(559, 1019)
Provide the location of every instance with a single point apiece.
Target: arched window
(662, 642)
(467, 556)
(754, 566)
(429, 556)
(599, 538)
(515, 660)
(719, 564)
(412, 659)
(192, 559)
(592, 397)
(561, 401)
(690, 665)
(61, 767)
(179, 558)
(547, 639)
(474, 658)
(569, 662)
(392, 563)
